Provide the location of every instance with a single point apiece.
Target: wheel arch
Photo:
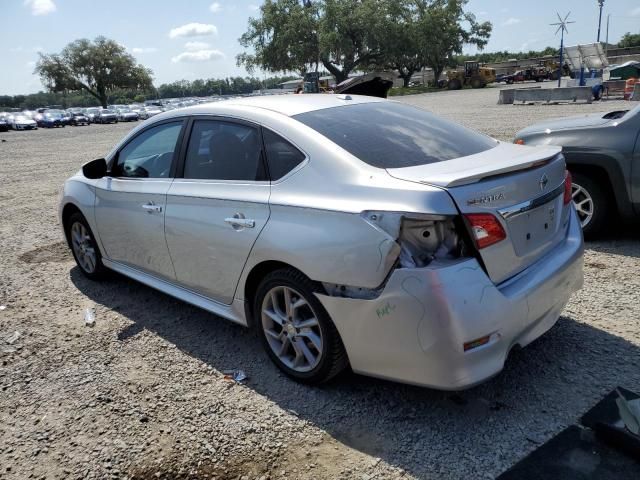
(255, 276)
(612, 180)
(67, 211)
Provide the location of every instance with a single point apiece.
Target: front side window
(150, 154)
(282, 157)
(220, 150)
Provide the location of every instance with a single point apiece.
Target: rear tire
(592, 204)
(84, 247)
(295, 329)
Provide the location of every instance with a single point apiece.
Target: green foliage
(284, 38)
(98, 68)
(401, 91)
(629, 40)
(182, 88)
(359, 35)
(352, 35)
(424, 33)
(445, 34)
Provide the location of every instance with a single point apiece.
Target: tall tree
(289, 35)
(445, 28)
(284, 38)
(97, 67)
(404, 46)
(352, 35)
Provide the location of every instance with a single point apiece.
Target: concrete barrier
(567, 94)
(505, 97)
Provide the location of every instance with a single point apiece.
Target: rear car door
(216, 211)
(130, 203)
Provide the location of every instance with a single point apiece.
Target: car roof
(289, 105)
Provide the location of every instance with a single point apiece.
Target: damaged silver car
(348, 231)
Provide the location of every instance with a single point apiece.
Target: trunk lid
(521, 186)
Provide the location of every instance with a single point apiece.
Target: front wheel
(591, 202)
(296, 330)
(84, 247)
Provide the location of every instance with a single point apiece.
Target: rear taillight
(567, 187)
(485, 229)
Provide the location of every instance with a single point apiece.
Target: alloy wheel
(292, 329)
(83, 247)
(583, 202)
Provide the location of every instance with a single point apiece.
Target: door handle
(152, 207)
(238, 221)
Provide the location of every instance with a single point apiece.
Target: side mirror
(95, 169)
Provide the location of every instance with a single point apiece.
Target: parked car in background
(66, 117)
(414, 250)
(602, 151)
(106, 116)
(78, 118)
(4, 123)
(125, 114)
(51, 119)
(20, 121)
(91, 113)
(149, 111)
(515, 77)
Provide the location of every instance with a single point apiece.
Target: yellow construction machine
(473, 74)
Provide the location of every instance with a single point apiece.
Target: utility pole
(601, 4)
(606, 46)
(562, 27)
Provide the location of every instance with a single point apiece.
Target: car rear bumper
(416, 330)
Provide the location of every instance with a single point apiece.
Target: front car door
(216, 211)
(130, 203)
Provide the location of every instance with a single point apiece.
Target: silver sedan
(349, 231)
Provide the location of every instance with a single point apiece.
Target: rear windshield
(393, 135)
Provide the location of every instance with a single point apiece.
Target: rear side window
(220, 150)
(393, 135)
(282, 157)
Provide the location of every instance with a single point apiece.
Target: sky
(192, 39)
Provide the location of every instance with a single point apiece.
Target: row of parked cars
(51, 117)
(54, 118)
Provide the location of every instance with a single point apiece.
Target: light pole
(601, 4)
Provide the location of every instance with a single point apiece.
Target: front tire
(84, 247)
(592, 204)
(295, 329)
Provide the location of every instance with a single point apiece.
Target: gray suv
(602, 151)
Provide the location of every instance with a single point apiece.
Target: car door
(218, 207)
(130, 202)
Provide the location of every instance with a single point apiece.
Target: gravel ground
(142, 394)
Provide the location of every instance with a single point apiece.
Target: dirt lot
(141, 395)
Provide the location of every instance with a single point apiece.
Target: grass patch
(400, 91)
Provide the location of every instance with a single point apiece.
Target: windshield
(393, 135)
(92, 110)
(124, 110)
(106, 111)
(53, 114)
